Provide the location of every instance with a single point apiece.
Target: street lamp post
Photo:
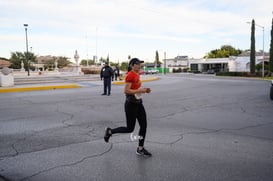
(263, 46)
(263, 50)
(26, 25)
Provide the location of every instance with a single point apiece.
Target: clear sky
(131, 27)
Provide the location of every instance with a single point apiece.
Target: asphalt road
(199, 128)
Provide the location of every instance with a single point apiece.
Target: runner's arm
(128, 90)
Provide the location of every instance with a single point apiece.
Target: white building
(231, 64)
(211, 65)
(177, 62)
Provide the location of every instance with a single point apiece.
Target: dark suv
(271, 90)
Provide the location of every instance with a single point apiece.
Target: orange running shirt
(133, 78)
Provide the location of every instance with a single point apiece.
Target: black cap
(134, 61)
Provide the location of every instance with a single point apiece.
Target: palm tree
(18, 57)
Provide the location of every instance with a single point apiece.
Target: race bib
(138, 95)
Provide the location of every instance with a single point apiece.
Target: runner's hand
(148, 90)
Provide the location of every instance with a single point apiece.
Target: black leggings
(134, 111)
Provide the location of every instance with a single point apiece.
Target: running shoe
(143, 152)
(107, 134)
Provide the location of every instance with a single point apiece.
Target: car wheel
(271, 92)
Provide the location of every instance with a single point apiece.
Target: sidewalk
(51, 86)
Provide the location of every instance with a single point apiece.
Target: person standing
(134, 109)
(106, 74)
(116, 71)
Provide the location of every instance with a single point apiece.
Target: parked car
(151, 71)
(271, 90)
(122, 73)
(141, 72)
(210, 71)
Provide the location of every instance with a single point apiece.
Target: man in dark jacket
(106, 74)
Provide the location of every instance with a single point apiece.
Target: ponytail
(129, 69)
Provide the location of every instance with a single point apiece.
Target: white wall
(235, 64)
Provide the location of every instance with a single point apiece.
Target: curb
(38, 88)
(52, 87)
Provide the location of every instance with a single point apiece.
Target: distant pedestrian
(106, 74)
(134, 109)
(116, 72)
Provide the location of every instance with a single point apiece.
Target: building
(211, 65)
(179, 62)
(4, 63)
(240, 63)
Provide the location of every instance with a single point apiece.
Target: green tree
(2, 58)
(50, 63)
(107, 59)
(156, 58)
(124, 66)
(252, 48)
(271, 51)
(90, 62)
(224, 51)
(62, 61)
(102, 60)
(18, 57)
(157, 61)
(230, 50)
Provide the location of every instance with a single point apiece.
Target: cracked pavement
(199, 128)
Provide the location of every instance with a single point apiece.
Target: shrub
(90, 71)
(240, 74)
(177, 70)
